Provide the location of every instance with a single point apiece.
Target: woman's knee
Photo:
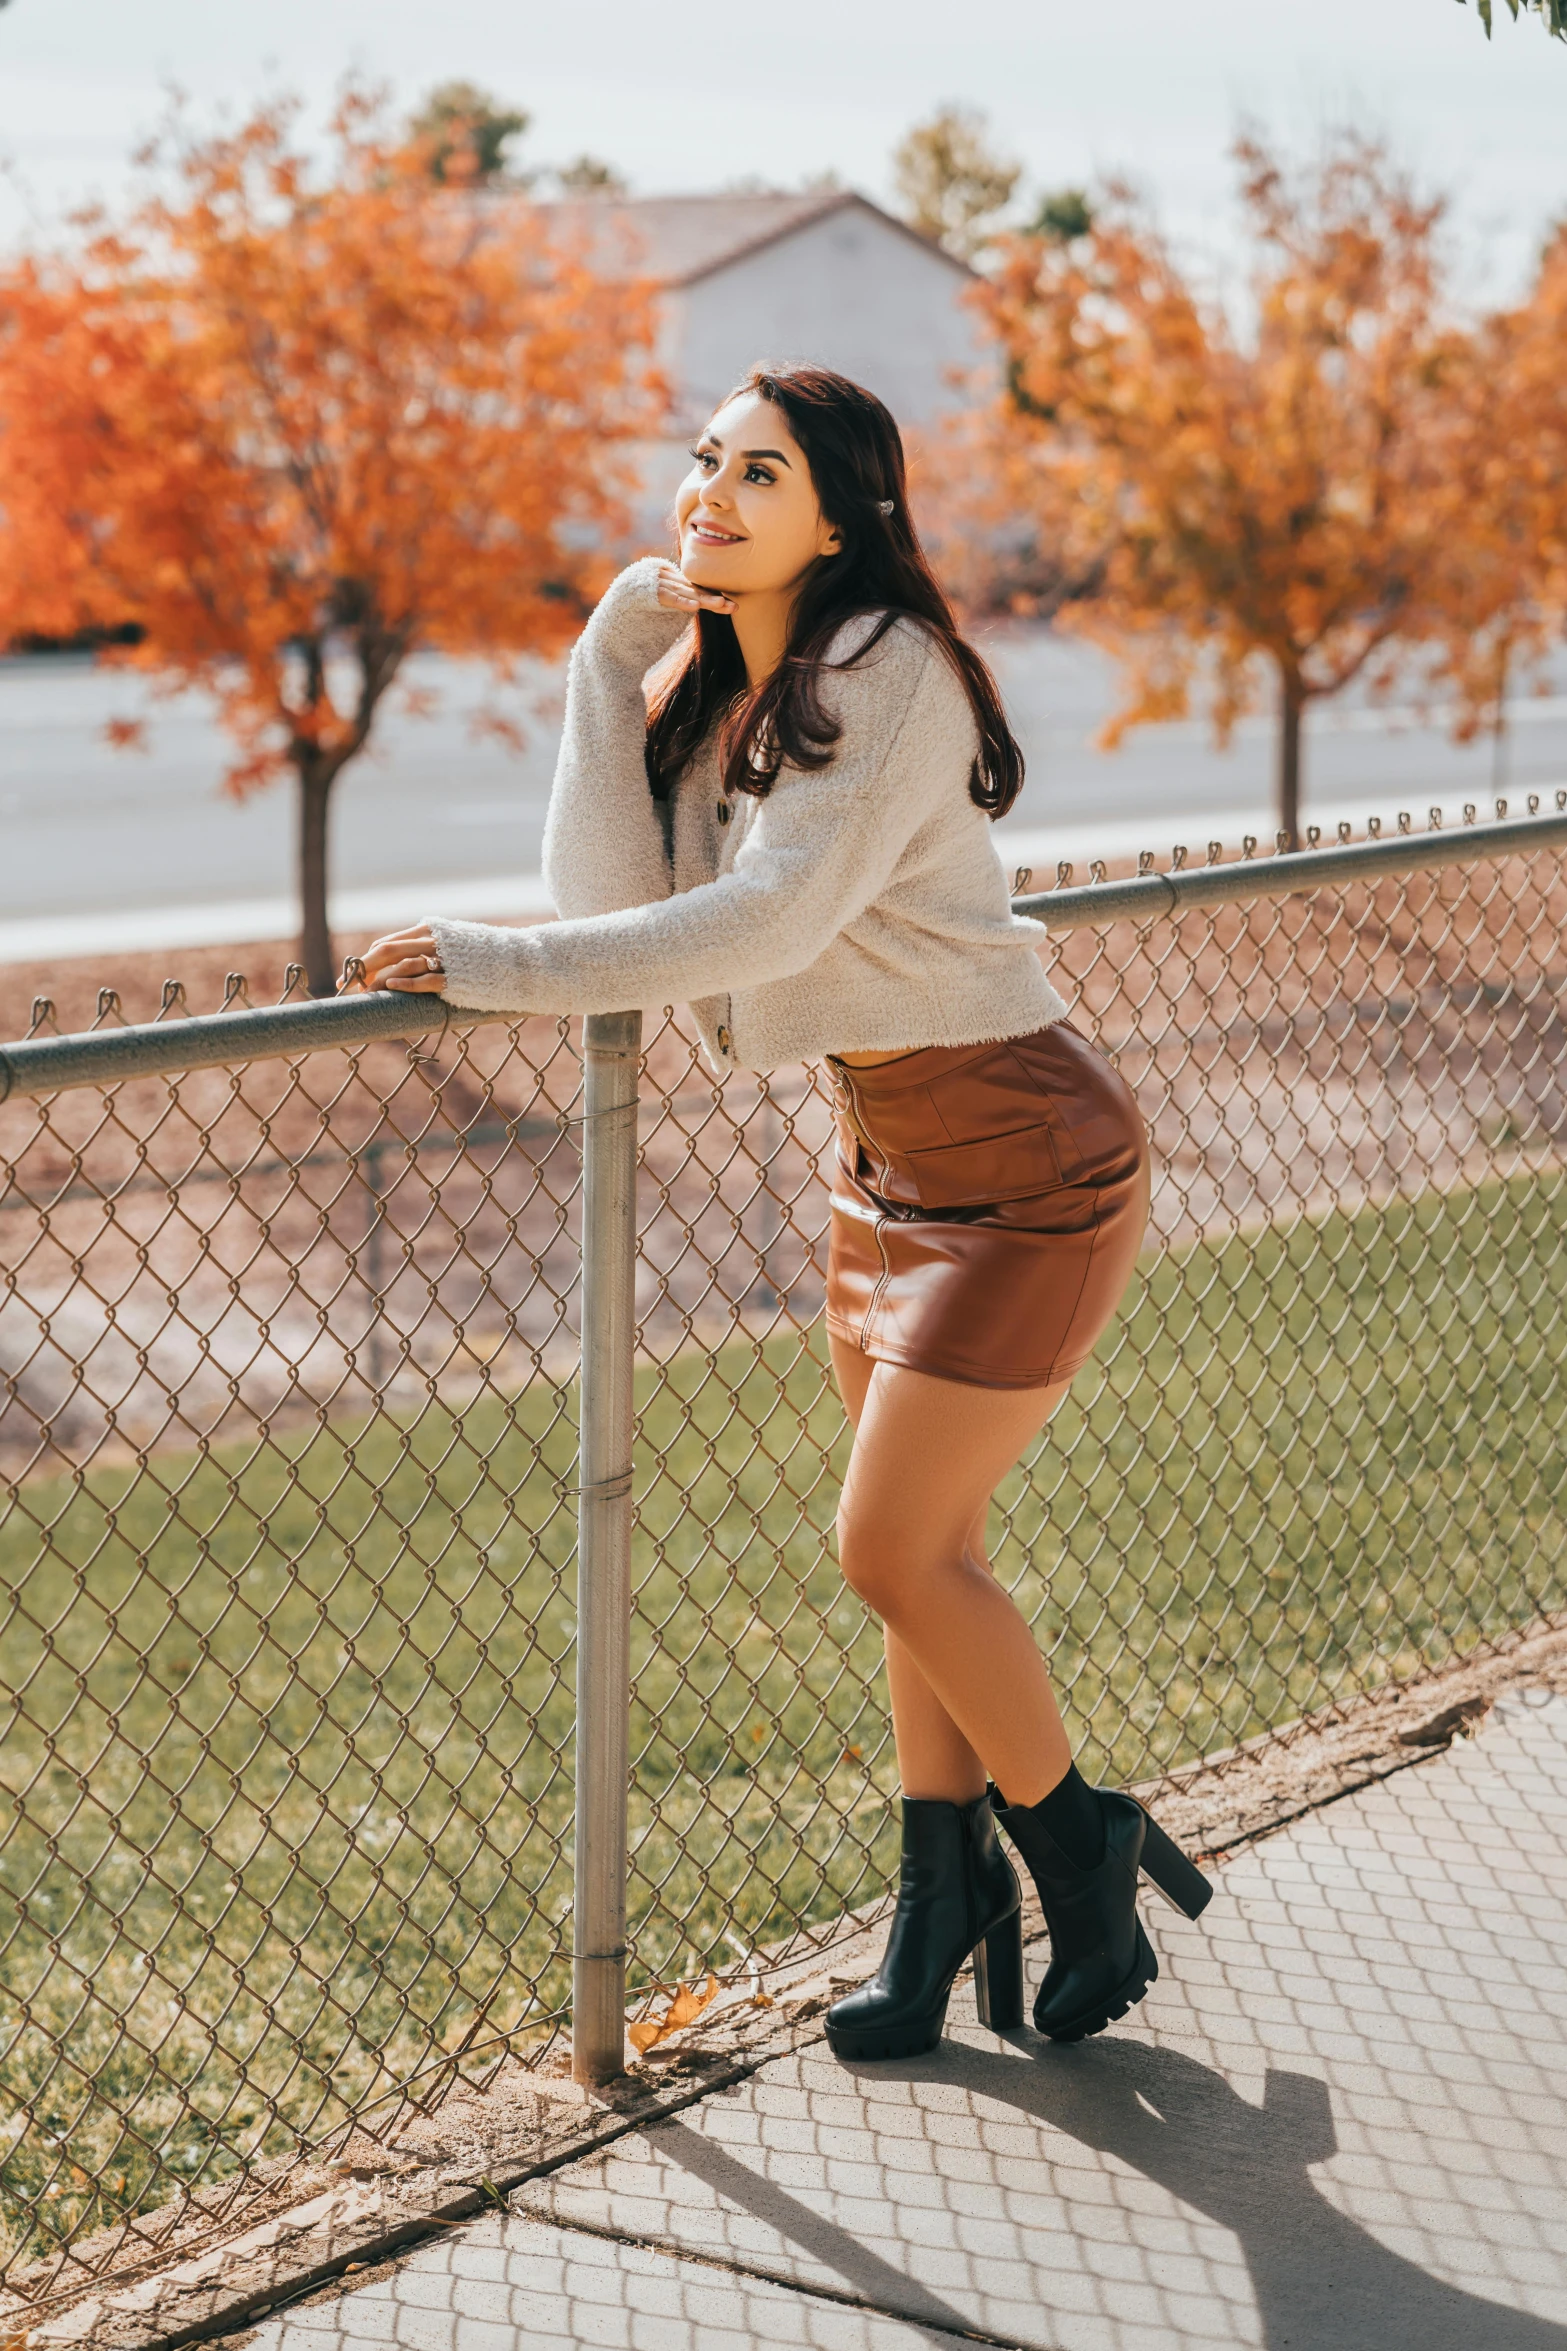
(888, 1564)
(866, 1561)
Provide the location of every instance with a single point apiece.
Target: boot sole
(1144, 1971)
(900, 2041)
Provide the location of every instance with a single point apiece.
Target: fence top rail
(1146, 895)
(107, 1057)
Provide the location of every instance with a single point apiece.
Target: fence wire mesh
(287, 1446)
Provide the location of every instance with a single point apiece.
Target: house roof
(677, 240)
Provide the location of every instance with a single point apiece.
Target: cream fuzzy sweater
(859, 908)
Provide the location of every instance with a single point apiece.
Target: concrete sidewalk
(1338, 2121)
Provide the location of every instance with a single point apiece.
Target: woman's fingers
(404, 959)
(678, 594)
(396, 946)
(414, 976)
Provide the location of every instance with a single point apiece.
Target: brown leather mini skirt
(989, 1205)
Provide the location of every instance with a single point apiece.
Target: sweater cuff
(628, 625)
(487, 969)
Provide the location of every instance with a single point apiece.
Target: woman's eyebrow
(711, 440)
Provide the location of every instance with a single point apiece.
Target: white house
(826, 276)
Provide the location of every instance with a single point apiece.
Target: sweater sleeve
(603, 842)
(821, 848)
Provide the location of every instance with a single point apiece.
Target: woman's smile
(711, 534)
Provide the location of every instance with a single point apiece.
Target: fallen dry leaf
(687, 2004)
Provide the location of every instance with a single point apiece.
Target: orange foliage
(1268, 496)
(295, 426)
(1502, 572)
(684, 2008)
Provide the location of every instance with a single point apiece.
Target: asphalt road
(145, 846)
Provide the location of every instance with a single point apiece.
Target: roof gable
(679, 240)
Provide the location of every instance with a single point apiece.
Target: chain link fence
(289, 1451)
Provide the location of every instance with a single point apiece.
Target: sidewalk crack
(945, 2330)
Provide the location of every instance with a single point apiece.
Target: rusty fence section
(290, 1699)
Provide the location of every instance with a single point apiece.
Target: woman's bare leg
(969, 1689)
(934, 1758)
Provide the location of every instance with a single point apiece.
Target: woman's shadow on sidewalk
(1321, 2281)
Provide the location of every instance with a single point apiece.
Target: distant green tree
(951, 181)
(1552, 12)
(1063, 216)
(589, 175)
(466, 132)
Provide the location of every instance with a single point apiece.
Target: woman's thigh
(928, 1454)
(852, 1371)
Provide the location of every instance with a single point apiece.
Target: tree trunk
(1499, 727)
(315, 939)
(1292, 705)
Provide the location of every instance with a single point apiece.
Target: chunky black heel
(1101, 1961)
(1166, 1867)
(998, 1976)
(957, 1893)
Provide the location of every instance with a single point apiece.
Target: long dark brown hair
(855, 454)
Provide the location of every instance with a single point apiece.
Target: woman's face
(747, 512)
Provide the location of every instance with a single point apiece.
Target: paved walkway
(1339, 2121)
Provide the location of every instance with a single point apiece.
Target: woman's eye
(759, 473)
(704, 458)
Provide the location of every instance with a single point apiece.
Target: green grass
(289, 1717)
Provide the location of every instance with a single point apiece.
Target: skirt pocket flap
(991, 1167)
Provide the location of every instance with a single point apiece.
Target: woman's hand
(678, 594)
(409, 961)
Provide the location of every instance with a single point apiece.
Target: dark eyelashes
(758, 472)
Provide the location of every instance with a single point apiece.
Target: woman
(788, 829)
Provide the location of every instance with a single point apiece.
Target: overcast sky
(685, 98)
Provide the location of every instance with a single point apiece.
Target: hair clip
(885, 505)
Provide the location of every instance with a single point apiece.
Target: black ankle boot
(1100, 1959)
(957, 1893)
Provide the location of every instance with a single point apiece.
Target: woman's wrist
(486, 967)
(631, 626)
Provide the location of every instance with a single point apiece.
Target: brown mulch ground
(72, 983)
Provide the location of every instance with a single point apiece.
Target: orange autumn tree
(293, 424)
(1501, 576)
(1248, 495)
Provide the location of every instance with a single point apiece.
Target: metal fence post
(611, 1047)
